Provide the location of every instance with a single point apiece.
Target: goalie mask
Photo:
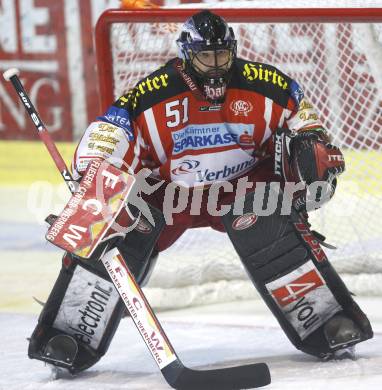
(208, 47)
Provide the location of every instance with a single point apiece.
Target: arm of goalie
(96, 212)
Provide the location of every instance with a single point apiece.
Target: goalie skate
(61, 349)
(342, 333)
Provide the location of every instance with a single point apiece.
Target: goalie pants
(182, 221)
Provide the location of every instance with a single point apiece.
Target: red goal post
(336, 55)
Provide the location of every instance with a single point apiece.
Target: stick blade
(8, 74)
(240, 377)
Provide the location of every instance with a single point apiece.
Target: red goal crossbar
(243, 15)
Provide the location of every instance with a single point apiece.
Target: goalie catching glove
(310, 158)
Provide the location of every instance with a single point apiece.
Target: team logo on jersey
(244, 221)
(186, 166)
(241, 107)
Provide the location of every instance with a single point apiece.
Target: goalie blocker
(294, 277)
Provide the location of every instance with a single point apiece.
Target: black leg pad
(292, 273)
(83, 310)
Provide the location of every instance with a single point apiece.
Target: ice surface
(219, 335)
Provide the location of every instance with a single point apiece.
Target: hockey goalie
(215, 132)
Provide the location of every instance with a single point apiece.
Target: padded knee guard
(293, 275)
(84, 309)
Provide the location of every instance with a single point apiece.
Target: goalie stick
(176, 374)
(12, 75)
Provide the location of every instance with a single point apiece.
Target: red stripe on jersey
(291, 106)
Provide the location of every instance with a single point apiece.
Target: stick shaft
(43, 133)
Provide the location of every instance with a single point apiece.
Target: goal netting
(336, 55)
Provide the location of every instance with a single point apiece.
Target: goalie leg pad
(82, 305)
(85, 306)
(293, 275)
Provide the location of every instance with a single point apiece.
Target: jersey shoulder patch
(264, 79)
(158, 86)
(120, 117)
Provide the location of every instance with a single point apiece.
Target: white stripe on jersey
(267, 118)
(285, 114)
(137, 151)
(154, 134)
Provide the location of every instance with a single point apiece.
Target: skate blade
(57, 373)
(347, 353)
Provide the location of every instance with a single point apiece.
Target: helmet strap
(181, 67)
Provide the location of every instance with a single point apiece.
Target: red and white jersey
(165, 125)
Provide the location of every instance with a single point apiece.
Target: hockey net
(336, 56)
